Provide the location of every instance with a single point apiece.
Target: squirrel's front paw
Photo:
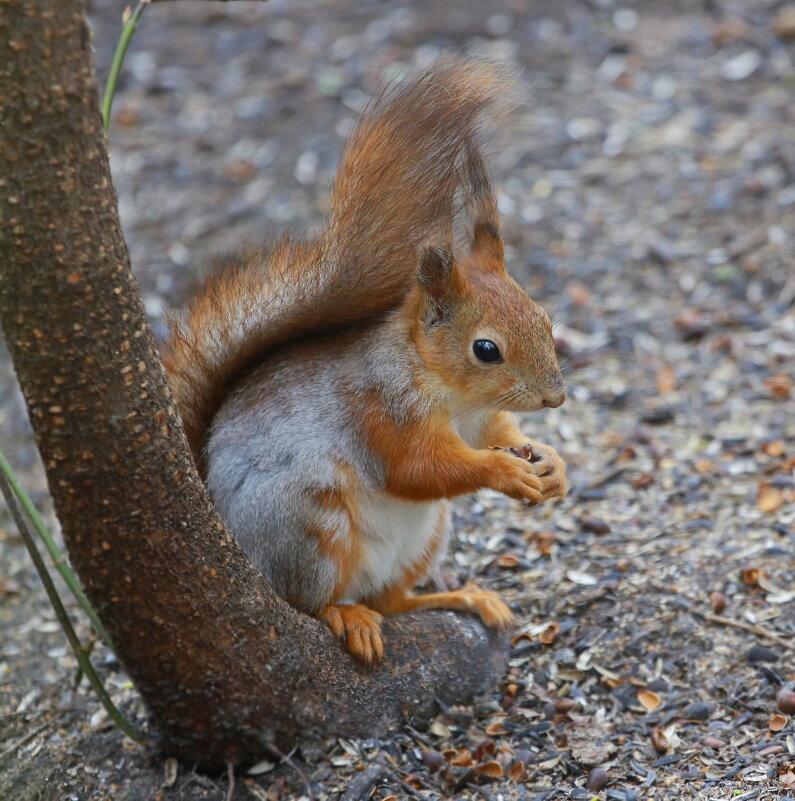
(550, 469)
(515, 477)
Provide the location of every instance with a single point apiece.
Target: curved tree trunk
(224, 666)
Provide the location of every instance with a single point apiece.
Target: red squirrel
(337, 392)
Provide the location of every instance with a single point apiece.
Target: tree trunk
(224, 666)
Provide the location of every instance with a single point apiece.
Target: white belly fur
(396, 534)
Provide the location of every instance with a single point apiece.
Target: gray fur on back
(279, 440)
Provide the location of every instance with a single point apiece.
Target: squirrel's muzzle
(555, 395)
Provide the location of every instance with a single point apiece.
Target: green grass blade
(57, 556)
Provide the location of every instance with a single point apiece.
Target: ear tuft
(487, 242)
(482, 201)
(436, 266)
(485, 230)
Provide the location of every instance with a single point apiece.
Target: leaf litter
(649, 185)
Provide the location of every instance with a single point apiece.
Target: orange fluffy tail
(395, 187)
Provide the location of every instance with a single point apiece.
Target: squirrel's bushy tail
(395, 187)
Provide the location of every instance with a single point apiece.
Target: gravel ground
(648, 193)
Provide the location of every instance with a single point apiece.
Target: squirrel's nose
(554, 396)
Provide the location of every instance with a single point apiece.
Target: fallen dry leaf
(493, 769)
(659, 739)
(440, 730)
(773, 448)
(784, 24)
(485, 748)
(777, 722)
(666, 380)
(751, 575)
(550, 633)
(517, 639)
(8, 586)
(518, 772)
(643, 480)
(770, 498)
(463, 758)
(496, 728)
(649, 700)
(780, 385)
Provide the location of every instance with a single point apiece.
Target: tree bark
(224, 666)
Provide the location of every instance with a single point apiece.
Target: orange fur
(503, 432)
(394, 188)
(384, 269)
(397, 598)
(344, 552)
(358, 627)
(425, 460)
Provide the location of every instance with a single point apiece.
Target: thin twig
(23, 740)
(129, 24)
(57, 556)
(288, 758)
(61, 613)
(230, 772)
(754, 629)
(362, 784)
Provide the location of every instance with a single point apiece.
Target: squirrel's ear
(486, 241)
(435, 270)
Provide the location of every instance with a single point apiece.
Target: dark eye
(486, 351)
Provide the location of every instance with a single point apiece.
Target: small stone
(597, 779)
(760, 653)
(785, 701)
(717, 601)
(433, 760)
(658, 416)
(713, 742)
(661, 251)
(697, 711)
(741, 66)
(594, 525)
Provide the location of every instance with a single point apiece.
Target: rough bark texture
(223, 665)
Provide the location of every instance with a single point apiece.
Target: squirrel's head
(480, 333)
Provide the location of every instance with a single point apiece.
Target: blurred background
(647, 189)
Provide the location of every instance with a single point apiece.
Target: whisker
(565, 363)
(563, 298)
(500, 400)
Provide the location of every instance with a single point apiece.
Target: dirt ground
(647, 185)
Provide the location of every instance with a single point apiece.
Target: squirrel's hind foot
(489, 607)
(359, 628)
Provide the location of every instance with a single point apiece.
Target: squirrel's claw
(550, 469)
(359, 628)
(491, 609)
